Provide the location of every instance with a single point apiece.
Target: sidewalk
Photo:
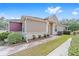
(7, 50)
(62, 50)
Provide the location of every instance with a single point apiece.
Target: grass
(43, 49)
(74, 47)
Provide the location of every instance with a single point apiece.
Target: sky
(41, 10)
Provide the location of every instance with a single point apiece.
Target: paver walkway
(7, 50)
(62, 50)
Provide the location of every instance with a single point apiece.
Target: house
(30, 26)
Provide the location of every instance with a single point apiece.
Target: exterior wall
(54, 27)
(50, 28)
(35, 28)
(15, 26)
(47, 27)
(59, 28)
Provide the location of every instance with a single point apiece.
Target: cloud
(59, 11)
(13, 17)
(77, 9)
(9, 16)
(52, 10)
(74, 12)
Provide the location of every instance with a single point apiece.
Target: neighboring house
(30, 26)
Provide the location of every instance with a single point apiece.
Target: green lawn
(74, 47)
(43, 49)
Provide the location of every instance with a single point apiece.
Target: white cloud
(60, 11)
(9, 16)
(77, 9)
(52, 10)
(14, 18)
(74, 13)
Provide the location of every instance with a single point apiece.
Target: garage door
(15, 26)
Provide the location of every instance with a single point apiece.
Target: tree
(3, 23)
(72, 24)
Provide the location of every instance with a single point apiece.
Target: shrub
(59, 33)
(67, 32)
(39, 36)
(74, 33)
(23, 39)
(15, 37)
(34, 37)
(48, 35)
(3, 35)
(45, 35)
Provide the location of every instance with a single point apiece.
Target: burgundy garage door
(15, 26)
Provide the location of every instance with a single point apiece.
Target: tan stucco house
(30, 26)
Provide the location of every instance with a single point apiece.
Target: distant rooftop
(13, 19)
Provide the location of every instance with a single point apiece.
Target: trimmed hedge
(3, 35)
(59, 32)
(34, 37)
(67, 32)
(15, 37)
(39, 36)
(45, 35)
